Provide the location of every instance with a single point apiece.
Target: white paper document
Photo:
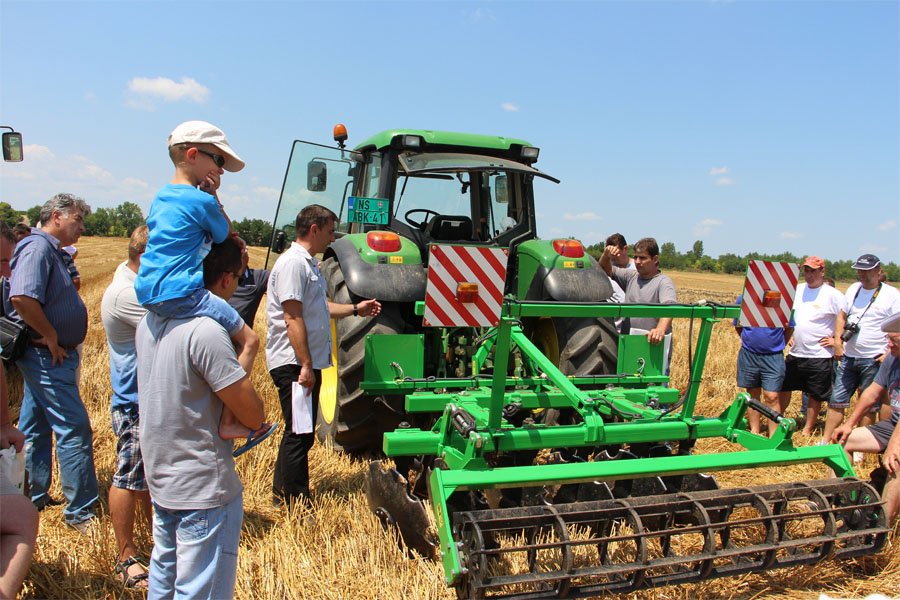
(301, 408)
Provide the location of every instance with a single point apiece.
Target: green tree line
(695, 260)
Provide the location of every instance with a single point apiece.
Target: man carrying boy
(185, 219)
(187, 373)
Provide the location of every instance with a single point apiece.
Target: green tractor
(395, 194)
(554, 457)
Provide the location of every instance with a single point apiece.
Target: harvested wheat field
(337, 549)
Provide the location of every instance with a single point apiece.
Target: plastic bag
(12, 471)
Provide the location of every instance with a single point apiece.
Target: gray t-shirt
(656, 290)
(181, 364)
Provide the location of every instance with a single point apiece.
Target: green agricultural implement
(554, 457)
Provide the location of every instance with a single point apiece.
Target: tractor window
(443, 194)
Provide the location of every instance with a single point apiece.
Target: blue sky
(764, 126)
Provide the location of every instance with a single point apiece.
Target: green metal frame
(645, 412)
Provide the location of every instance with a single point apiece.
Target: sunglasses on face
(216, 158)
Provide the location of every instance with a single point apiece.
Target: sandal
(256, 437)
(132, 581)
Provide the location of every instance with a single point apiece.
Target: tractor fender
(570, 285)
(386, 282)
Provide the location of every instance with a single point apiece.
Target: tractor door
(316, 174)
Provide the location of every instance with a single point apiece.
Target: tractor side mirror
(278, 242)
(500, 192)
(316, 176)
(12, 146)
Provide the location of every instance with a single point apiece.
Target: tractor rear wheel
(353, 420)
(580, 346)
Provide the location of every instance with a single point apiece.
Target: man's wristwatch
(355, 311)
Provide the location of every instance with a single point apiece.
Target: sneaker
(83, 527)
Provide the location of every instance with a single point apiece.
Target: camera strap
(871, 301)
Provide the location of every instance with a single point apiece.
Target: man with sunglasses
(185, 219)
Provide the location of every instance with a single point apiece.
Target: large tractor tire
(580, 346)
(350, 419)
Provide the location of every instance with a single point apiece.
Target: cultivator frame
(629, 540)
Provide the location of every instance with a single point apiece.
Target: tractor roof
(448, 138)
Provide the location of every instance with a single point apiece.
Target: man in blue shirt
(43, 296)
(121, 313)
(760, 367)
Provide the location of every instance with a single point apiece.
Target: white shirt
(815, 313)
(296, 276)
(870, 341)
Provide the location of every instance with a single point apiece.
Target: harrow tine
(620, 545)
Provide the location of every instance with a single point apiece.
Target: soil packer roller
(555, 460)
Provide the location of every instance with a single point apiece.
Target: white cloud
(266, 192)
(718, 171)
(706, 226)
(873, 249)
(585, 216)
(37, 152)
(480, 15)
(509, 107)
(167, 90)
(135, 184)
(724, 181)
(887, 225)
(790, 235)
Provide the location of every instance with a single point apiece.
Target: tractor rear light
(530, 152)
(411, 142)
(383, 241)
(771, 299)
(467, 292)
(569, 248)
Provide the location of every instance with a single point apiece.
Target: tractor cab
(425, 186)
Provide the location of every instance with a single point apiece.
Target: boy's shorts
(760, 370)
(811, 375)
(853, 374)
(201, 303)
(129, 473)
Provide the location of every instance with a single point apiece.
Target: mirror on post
(500, 190)
(12, 145)
(316, 176)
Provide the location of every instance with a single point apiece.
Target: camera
(850, 330)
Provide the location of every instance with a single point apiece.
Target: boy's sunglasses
(217, 158)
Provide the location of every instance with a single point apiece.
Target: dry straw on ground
(337, 549)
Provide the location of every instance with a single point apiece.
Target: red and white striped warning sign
(768, 293)
(465, 286)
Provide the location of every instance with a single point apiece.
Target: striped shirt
(39, 271)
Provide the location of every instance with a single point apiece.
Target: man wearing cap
(881, 436)
(808, 366)
(859, 342)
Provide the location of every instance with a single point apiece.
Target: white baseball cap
(891, 324)
(201, 132)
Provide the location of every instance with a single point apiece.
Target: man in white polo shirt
(298, 346)
(809, 364)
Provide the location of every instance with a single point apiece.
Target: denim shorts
(129, 473)
(853, 374)
(760, 370)
(201, 303)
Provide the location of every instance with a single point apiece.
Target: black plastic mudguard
(387, 282)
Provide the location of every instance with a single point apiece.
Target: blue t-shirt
(184, 222)
(762, 340)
